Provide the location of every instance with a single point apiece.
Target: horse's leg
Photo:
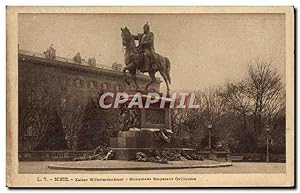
(164, 75)
(153, 79)
(133, 77)
(124, 74)
(130, 67)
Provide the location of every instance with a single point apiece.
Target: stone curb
(60, 167)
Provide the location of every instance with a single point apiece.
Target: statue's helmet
(146, 27)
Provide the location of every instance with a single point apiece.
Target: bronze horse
(134, 61)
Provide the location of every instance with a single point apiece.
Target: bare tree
(39, 97)
(237, 101)
(214, 104)
(263, 86)
(256, 101)
(194, 121)
(238, 112)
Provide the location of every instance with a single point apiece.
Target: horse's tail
(168, 68)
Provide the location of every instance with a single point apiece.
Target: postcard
(150, 97)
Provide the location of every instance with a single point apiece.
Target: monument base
(128, 143)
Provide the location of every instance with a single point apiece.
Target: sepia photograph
(150, 97)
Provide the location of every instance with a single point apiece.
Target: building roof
(61, 59)
(69, 63)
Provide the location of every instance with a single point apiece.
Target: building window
(100, 85)
(68, 82)
(118, 88)
(106, 86)
(92, 84)
(78, 82)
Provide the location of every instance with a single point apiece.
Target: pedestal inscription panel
(155, 116)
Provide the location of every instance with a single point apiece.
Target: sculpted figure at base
(129, 118)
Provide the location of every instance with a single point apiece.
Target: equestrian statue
(143, 57)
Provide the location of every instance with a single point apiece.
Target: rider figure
(146, 43)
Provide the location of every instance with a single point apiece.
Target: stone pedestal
(141, 129)
(128, 143)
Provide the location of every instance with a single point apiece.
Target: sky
(204, 49)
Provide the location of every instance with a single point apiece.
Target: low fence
(52, 155)
(70, 155)
(215, 155)
(257, 157)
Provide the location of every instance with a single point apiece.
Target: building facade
(71, 90)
